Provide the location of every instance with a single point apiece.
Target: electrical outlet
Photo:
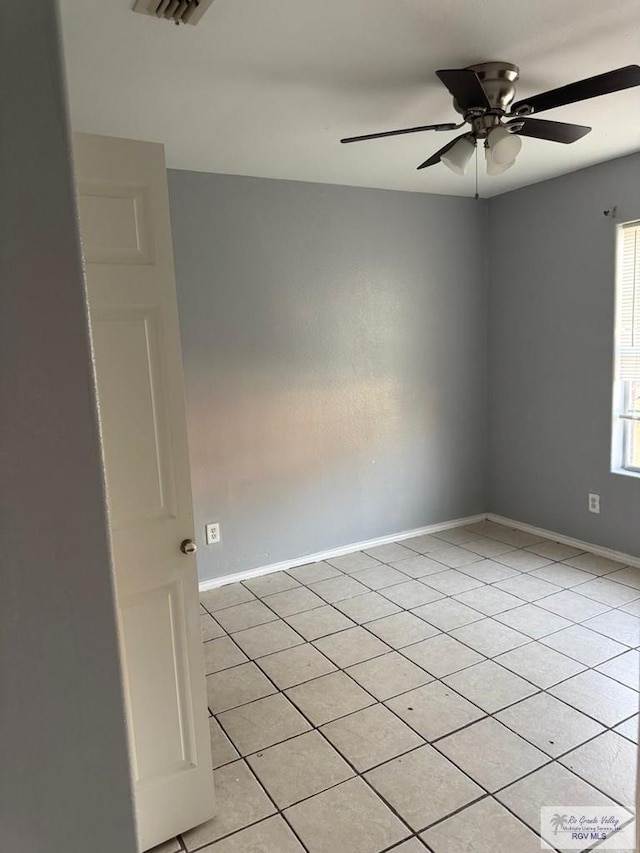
(594, 503)
(213, 533)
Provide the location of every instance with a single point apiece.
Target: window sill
(626, 473)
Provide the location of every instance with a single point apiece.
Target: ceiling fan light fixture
(457, 158)
(503, 145)
(494, 168)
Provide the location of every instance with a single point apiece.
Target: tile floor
(428, 695)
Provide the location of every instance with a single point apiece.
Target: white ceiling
(267, 87)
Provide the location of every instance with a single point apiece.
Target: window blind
(628, 309)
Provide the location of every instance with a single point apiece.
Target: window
(626, 397)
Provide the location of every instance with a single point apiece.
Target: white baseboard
(626, 559)
(338, 552)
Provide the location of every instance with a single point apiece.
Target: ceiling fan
(484, 96)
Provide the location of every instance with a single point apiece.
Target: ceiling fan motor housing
(498, 81)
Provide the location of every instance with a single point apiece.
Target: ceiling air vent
(178, 11)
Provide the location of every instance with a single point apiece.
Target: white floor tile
(488, 571)
(434, 710)
(554, 550)
(329, 697)
(527, 587)
(487, 547)
(313, 572)
(549, 724)
(267, 639)
(517, 538)
(237, 686)
(171, 846)
(270, 834)
(262, 723)
(451, 582)
(608, 592)
(419, 566)
(455, 556)
(485, 827)
(598, 696)
(489, 600)
(246, 615)
(562, 575)
(491, 754)
(633, 607)
(584, 645)
(388, 675)
(353, 562)
(618, 625)
(379, 577)
(609, 763)
(349, 817)
(240, 801)
(371, 737)
(390, 553)
(222, 750)
(441, 655)
(490, 686)
(628, 729)
(489, 637)
(268, 584)
(625, 669)
(525, 561)
(629, 576)
(533, 621)
(594, 564)
(539, 664)
(295, 666)
(221, 654)
(299, 768)
(402, 629)
(456, 535)
(210, 628)
(225, 596)
(370, 605)
(552, 785)
(412, 593)
(423, 786)
(351, 646)
(571, 605)
(337, 589)
(448, 614)
(423, 544)
(319, 622)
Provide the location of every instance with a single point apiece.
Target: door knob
(188, 546)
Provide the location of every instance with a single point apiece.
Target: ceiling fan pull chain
(477, 195)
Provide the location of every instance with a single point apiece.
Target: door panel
(117, 227)
(160, 706)
(125, 229)
(134, 414)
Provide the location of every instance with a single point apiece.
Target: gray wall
(65, 775)
(334, 346)
(551, 345)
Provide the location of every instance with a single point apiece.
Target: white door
(126, 235)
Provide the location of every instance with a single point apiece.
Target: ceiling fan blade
(582, 90)
(465, 86)
(449, 126)
(435, 158)
(554, 131)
